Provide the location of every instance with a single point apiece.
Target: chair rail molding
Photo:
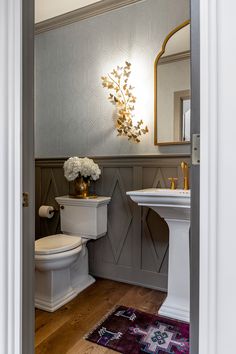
(82, 13)
(10, 177)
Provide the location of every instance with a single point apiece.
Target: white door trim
(10, 178)
(217, 177)
(208, 177)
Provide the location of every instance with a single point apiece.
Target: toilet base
(53, 304)
(55, 287)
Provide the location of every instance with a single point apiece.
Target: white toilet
(61, 261)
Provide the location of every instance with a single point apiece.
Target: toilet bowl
(56, 251)
(61, 260)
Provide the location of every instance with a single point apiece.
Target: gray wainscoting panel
(135, 249)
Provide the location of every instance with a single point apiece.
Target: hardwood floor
(62, 332)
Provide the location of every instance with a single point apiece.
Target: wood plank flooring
(62, 332)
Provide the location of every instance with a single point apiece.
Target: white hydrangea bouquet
(81, 167)
(82, 171)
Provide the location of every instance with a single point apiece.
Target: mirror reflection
(172, 88)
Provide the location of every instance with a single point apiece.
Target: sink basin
(161, 191)
(174, 207)
(168, 203)
(161, 196)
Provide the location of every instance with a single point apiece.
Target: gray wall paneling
(135, 249)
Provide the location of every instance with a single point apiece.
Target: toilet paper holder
(47, 211)
(53, 210)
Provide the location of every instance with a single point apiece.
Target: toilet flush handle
(62, 207)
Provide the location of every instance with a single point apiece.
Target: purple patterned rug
(130, 331)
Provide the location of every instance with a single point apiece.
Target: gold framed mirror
(172, 96)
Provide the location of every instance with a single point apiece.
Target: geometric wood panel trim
(118, 231)
(135, 249)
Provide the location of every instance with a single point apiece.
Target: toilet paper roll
(46, 211)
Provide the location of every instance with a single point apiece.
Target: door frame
(28, 176)
(195, 178)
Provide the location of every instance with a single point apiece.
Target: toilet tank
(83, 217)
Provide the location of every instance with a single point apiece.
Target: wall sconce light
(122, 97)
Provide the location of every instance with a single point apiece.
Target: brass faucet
(184, 167)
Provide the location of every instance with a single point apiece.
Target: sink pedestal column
(174, 207)
(177, 302)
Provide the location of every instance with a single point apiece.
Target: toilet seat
(56, 244)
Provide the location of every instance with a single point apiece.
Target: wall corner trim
(81, 14)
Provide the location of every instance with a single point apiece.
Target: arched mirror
(172, 97)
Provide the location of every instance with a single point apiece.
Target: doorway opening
(54, 146)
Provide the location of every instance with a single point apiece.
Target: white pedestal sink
(174, 207)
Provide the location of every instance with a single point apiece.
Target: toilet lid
(56, 244)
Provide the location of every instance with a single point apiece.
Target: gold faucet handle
(173, 181)
(184, 167)
(185, 171)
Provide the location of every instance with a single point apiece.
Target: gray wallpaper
(73, 115)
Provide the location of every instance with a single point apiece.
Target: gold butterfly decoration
(124, 100)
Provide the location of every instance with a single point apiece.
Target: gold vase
(82, 187)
